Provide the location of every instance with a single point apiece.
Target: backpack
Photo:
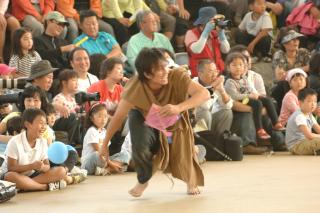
(227, 147)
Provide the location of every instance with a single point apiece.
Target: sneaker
(278, 127)
(254, 59)
(267, 59)
(78, 178)
(262, 134)
(201, 153)
(76, 170)
(101, 171)
(61, 184)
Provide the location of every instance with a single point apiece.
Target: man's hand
(68, 48)
(172, 9)
(254, 96)
(124, 21)
(184, 14)
(169, 109)
(104, 152)
(218, 84)
(250, 48)
(280, 74)
(64, 111)
(114, 166)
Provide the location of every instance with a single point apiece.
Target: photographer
(207, 39)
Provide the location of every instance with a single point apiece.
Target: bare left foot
(193, 190)
(138, 189)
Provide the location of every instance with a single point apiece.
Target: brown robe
(178, 157)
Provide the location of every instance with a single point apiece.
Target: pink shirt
(290, 104)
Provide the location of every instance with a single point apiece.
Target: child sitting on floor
(300, 138)
(26, 160)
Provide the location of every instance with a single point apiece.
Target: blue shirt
(103, 44)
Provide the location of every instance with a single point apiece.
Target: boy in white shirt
(26, 160)
(299, 136)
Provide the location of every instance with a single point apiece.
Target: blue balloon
(71, 148)
(57, 152)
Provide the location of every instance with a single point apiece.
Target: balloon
(71, 148)
(57, 152)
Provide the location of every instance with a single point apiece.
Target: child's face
(309, 104)
(237, 68)
(100, 118)
(297, 83)
(51, 119)
(32, 102)
(37, 127)
(26, 41)
(72, 85)
(259, 6)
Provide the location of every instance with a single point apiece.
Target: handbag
(227, 146)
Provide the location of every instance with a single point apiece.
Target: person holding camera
(207, 39)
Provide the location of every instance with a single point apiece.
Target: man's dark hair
(71, 54)
(14, 125)
(86, 14)
(29, 115)
(107, 66)
(304, 93)
(147, 60)
(31, 92)
(16, 48)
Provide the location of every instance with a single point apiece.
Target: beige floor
(278, 183)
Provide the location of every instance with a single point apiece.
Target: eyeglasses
(61, 24)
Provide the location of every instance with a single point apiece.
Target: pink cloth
(154, 120)
(290, 104)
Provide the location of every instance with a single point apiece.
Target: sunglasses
(61, 24)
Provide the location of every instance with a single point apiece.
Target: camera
(19, 83)
(219, 20)
(10, 98)
(82, 97)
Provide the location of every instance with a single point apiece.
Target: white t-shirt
(253, 27)
(93, 136)
(19, 149)
(84, 84)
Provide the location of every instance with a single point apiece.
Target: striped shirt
(23, 65)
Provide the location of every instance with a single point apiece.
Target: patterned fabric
(280, 59)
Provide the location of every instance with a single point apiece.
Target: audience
(147, 37)
(206, 40)
(303, 131)
(216, 111)
(32, 13)
(93, 40)
(26, 161)
(80, 62)
(288, 57)
(7, 22)
(24, 55)
(255, 30)
(297, 79)
(49, 45)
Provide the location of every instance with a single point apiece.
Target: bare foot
(138, 189)
(193, 190)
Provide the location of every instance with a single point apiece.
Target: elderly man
(49, 45)
(206, 40)
(147, 37)
(216, 111)
(42, 76)
(93, 40)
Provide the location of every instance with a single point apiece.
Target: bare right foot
(193, 190)
(138, 189)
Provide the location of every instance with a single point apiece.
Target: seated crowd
(69, 51)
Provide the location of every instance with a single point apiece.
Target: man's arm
(115, 52)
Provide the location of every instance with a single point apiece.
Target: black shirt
(49, 49)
